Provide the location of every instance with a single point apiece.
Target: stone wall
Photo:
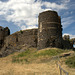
(67, 43)
(28, 37)
(49, 30)
(3, 33)
(17, 41)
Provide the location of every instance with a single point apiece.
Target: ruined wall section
(27, 37)
(67, 42)
(3, 33)
(19, 40)
(49, 30)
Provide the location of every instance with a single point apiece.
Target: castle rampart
(15, 41)
(28, 37)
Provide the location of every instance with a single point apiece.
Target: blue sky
(23, 14)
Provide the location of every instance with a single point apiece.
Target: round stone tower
(49, 30)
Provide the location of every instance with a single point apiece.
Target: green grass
(50, 52)
(24, 53)
(32, 55)
(71, 61)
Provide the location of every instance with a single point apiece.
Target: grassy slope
(32, 62)
(71, 61)
(32, 55)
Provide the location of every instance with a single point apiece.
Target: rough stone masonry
(49, 30)
(48, 34)
(3, 33)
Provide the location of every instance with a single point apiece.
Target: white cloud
(54, 6)
(23, 27)
(67, 21)
(24, 13)
(71, 36)
(31, 26)
(65, 1)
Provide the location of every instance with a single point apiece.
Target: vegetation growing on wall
(21, 31)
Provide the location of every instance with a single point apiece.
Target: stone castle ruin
(49, 30)
(48, 34)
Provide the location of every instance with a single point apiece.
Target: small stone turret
(49, 30)
(67, 43)
(3, 33)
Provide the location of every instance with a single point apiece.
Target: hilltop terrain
(33, 62)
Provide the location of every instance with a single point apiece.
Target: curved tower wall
(49, 30)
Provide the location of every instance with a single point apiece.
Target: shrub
(21, 31)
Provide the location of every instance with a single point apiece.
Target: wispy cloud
(67, 21)
(24, 13)
(54, 6)
(65, 1)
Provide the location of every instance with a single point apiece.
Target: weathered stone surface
(3, 33)
(16, 41)
(50, 30)
(28, 37)
(67, 44)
